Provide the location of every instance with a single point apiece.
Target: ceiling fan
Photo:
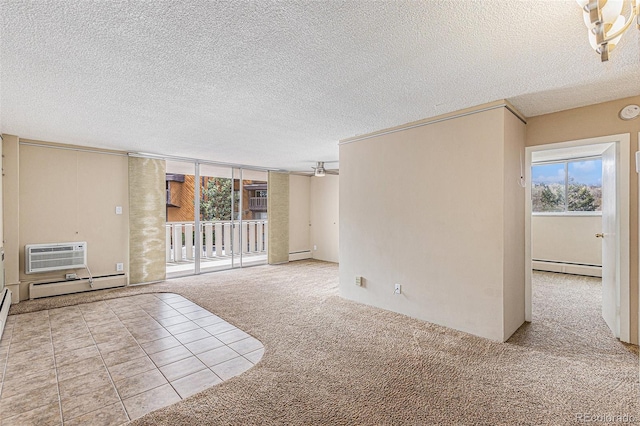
(319, 170)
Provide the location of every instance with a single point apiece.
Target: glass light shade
(609, 9)
(592, 40)
(617, 26)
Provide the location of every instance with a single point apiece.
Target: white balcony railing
(217, 239)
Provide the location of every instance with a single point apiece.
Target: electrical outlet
(397, 289)
(119, 267)
(71, 276)
(315, 247)
(359, 281)
(118, 209)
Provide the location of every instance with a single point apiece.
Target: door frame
(623, 143)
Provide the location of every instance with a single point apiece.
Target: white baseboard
(567, 268)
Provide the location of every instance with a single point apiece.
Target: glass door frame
(237, 219)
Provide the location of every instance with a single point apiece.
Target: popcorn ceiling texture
(277, 84)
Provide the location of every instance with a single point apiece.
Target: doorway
(614, 151)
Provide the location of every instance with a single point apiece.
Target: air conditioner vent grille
(54, 257)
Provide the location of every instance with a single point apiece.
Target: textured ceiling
(277, 84)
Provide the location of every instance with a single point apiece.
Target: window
(567, 186)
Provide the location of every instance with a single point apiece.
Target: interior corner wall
(11, 213)
(1, 212)
(513, 297)
(147, 220)
(278, 218)
(299, 203)
(590, 122)
(425, 208)
(324, 218)
(68, 195)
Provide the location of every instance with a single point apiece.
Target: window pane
(584, 191)
(547, 189)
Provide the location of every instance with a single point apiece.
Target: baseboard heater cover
(58, 288)
(567, 267)
(300, 255)
(5, 304)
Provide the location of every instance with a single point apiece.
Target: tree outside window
(567, 186)
(216, 199)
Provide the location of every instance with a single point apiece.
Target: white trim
(624, 142)
(201, 161)
(427, 122)
(72, 148)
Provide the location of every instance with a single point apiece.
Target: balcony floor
(186, 267)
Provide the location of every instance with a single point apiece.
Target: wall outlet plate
(119, 267)
(397, 289)
(118, 209)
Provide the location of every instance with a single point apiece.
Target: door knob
(599, 235)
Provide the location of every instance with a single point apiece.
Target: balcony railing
(217, 239)
(258, 204)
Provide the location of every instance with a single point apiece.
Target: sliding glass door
(180, 226)
(218, 201)
(253, 220)
(216, 217)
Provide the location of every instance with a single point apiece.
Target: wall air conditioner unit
(54, 257)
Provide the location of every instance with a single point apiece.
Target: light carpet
(332, 361)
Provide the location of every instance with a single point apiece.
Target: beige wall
(67, 195)
(566, 239)
(1, 211)
(513, 207)
(11, 213)
(588, 122)
(299, 216)
(324, 218)
(430, 208)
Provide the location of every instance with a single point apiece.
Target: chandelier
(607, 24)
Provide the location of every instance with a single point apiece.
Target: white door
(610, 234)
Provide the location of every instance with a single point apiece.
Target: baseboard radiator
(566, 267)
(57, 288)
(300, 255)
(5, 304)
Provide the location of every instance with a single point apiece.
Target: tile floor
(113, 361)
